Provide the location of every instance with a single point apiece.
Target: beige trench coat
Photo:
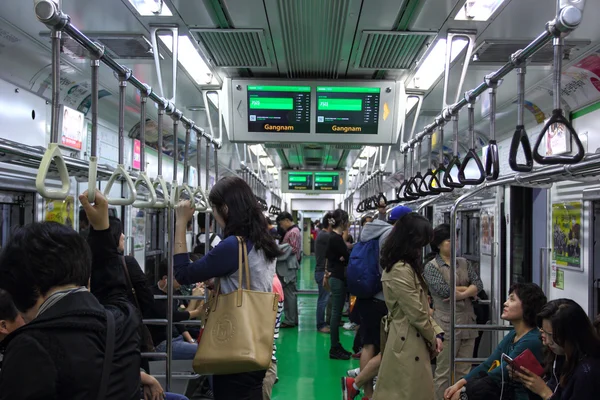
(405, 372)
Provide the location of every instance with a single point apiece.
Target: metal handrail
(568, 19)
(49, 14)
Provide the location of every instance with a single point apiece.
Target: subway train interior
(480, 114)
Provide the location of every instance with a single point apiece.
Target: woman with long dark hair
(437, 275)
(337, 261)
(237, 212)
(490, 380)
(413, 336)
(572, 367)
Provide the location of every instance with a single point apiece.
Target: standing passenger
(337, 259)
(237, 212)
(321, 256)
(47, 268)
(413, 338)
(288, 276)
(468, 284)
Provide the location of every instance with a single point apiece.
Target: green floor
(304, 368)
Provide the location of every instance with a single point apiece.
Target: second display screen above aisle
(347, 110)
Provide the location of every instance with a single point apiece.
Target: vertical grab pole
(186, 162)
(171, 241)
(93, 170)
(452, 293)
(161, 114)
(56, 35)
(206, 185)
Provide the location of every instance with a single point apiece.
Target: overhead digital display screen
(279, 109)
(300, 181)
(327, 181)
(348, 110)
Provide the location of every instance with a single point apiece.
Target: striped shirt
(277, 326)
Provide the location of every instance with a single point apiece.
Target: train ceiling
(314, 39)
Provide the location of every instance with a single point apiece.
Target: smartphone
(508, 360)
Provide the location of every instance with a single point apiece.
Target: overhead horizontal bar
(48, 13)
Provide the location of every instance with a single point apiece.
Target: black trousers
(244, 386)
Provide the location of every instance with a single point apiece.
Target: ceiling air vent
(347, 146)
(235, 48)
(313, 160)
(499, 51)
(278, 145)
(390, 50)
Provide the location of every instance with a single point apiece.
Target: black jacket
(143, 291)
(60, 354)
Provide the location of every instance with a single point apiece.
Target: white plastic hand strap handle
(53, 154)
(143, 180)
(201, 201)
(92, 175)
(159, 182)
(120, 171)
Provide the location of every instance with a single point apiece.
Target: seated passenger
(490, 380)
(237, 212)
(213, 238)
(63, 351)
(184, 346)
(573, 370)
(139, 283)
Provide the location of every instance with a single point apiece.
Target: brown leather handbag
(147, 345)
(238, 336)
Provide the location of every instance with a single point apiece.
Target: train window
(469, 235)
(16, 210)
(520, 231)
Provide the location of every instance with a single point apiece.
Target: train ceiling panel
(235, 48)
(390, 50)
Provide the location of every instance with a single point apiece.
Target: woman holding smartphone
(573, 360)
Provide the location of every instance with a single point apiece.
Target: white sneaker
(350, 326)
(353, 373)
(374, 382)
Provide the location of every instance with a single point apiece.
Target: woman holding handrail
(413, 336)
(437, 275)
(236, 211)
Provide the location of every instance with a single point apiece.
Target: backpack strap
(108, 355)
(130, 283)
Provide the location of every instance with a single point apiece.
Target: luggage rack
(31, 157)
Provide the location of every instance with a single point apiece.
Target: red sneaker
(348, 391)
(357, 355)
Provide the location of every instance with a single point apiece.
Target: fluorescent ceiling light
(213, 97)
(190, 59)
(258, 150)
(151, 8)
(273, 170)
(353, 172)
(266, 161)
(433, 65)
(360, 163)
(478, 10)
(368, 152)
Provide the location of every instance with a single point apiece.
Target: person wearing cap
(371, 311)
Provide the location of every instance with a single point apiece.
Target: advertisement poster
(487, 231)
(138, 231)
(566, 235)
(557, 140)
(71, 128)
(61, 211)
(137, 149)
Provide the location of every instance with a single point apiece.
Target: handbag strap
(243, 263)
(130, 283)
(108, 355)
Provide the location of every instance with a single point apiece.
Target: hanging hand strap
(492, 161)
(520, 136)
(108, 355)
(472, 154)
(558, 118)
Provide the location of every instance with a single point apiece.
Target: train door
(155, 236)
(595, 296)
(17, 210)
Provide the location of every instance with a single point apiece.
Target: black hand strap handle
(520, 138)
(559, 118)
(455, 161)
(437, 178)
(492, 161)
(426, 183)
(412, 187)
(472, 154)
(381, 200)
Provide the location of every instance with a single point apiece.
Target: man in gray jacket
(372, 310)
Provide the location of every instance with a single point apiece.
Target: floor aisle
(304, 368)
